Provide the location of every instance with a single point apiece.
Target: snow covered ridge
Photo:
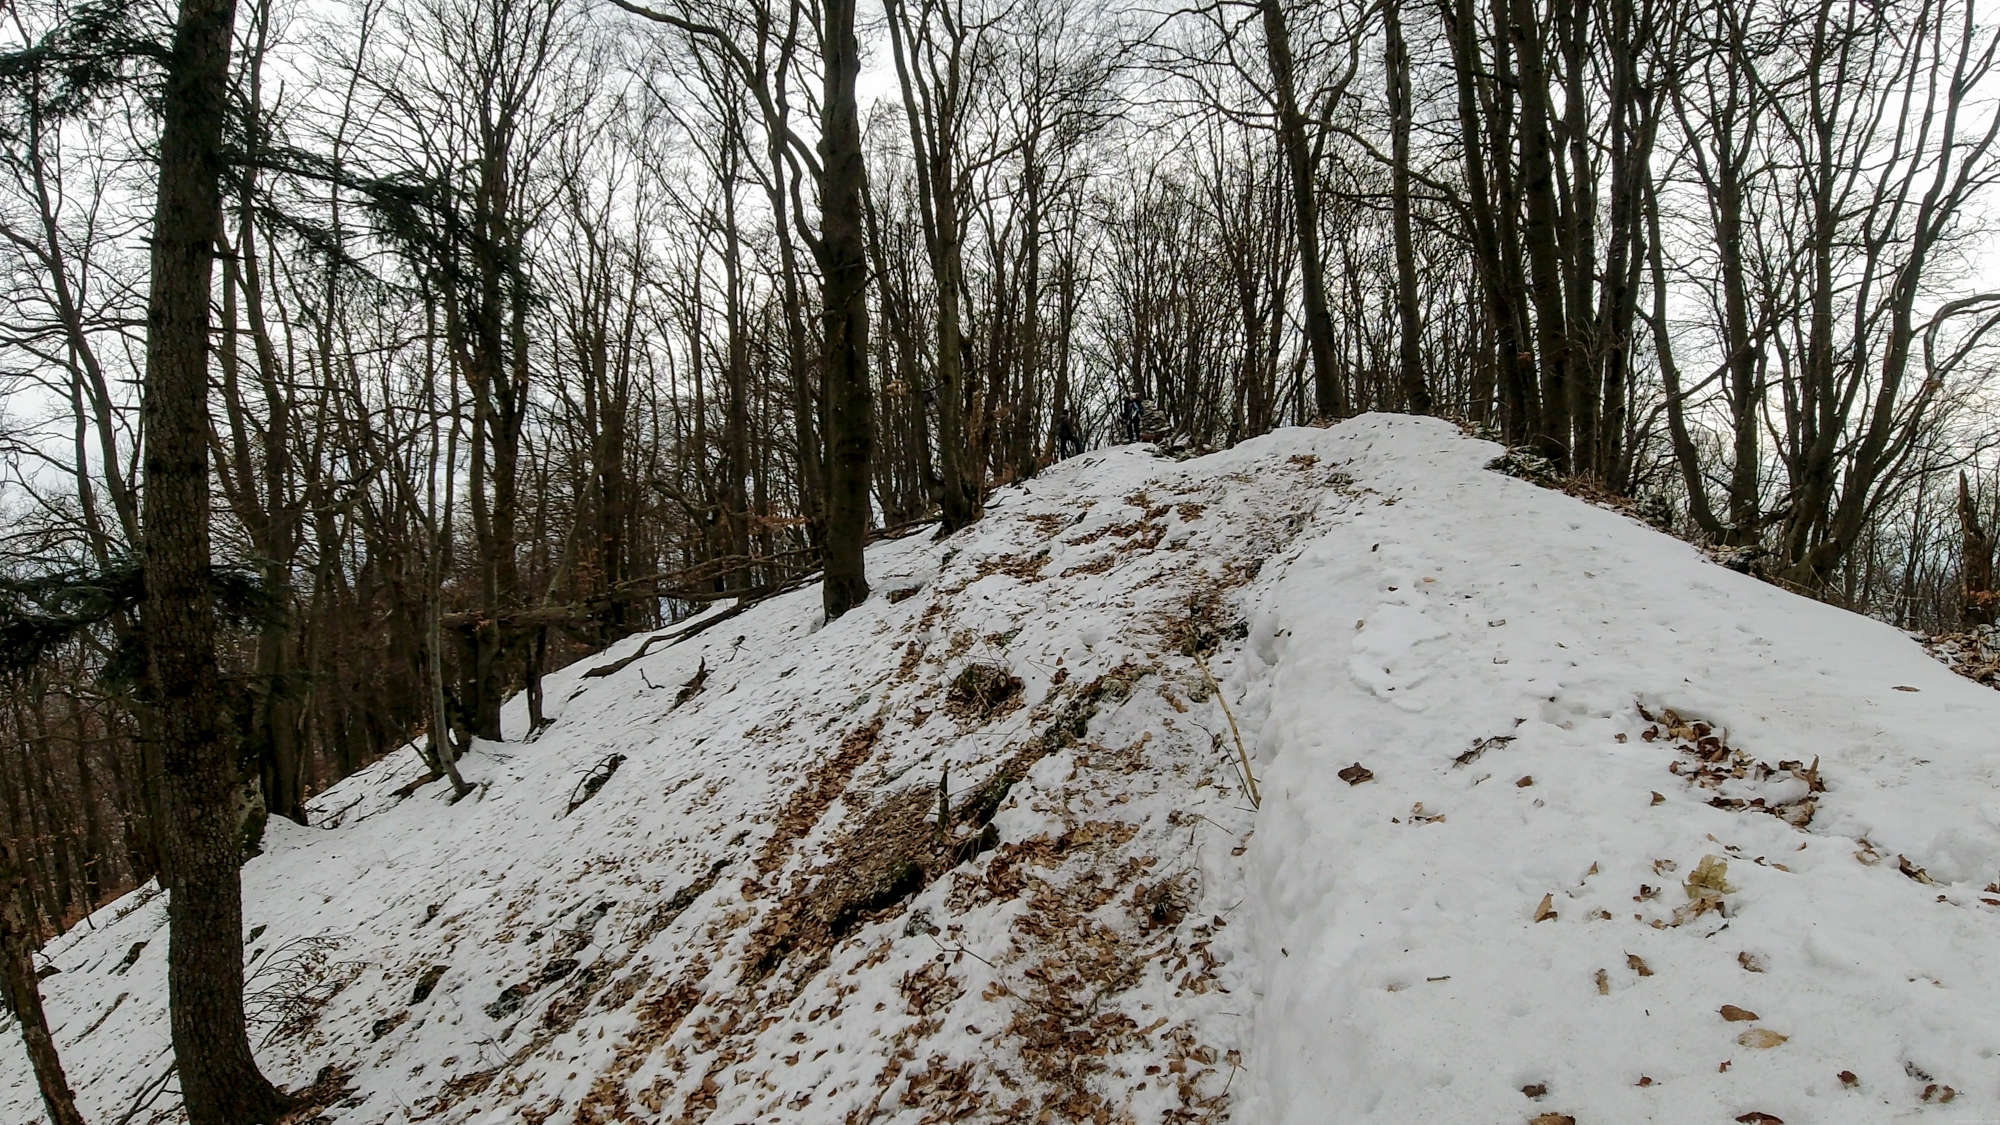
(726, 886)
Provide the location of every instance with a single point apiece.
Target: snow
(1368, 594)
(1403, 975)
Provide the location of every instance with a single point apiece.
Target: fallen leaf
(1552, 1119)
(1734, 1014)
(1710, 878)
(1546, 910)
(1637, 965)
(1904, 865)
(1904, 687)
(1603, 983)
(1356, 774)
(1750, 962)
(1658, 799)
(1525, 781)
(1755, 1118)
(1724, 1068)
(1620, 736)
(1761, 1038)
(1536, 1090)
(1643, 1081)
(1848, 1079)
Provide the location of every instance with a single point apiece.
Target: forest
(364, 362)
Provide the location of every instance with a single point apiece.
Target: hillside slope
(717, 889)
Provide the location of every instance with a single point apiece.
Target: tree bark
(24, 993)
(843, 253)
(1329, 396)
(220, 1082)
(1416, 391)
(1975, 560)
(1540, 237)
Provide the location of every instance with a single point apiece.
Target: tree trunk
(220, 1082)
(843, 252)
(1489, 219)
(1975, 560)
(1416, 392)
(1329, 397)
(23, 992)
(1539, 237)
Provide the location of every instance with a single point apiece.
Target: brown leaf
(1734, 1014)
(1659, 800)
(1756, 1118)
(1761, 1038)
(1603, 983)
(1904, 865)
(1637, 965)
(1710, 878)
(1535, 1090)
(1546, 910)
(1356, 774)
(1750, 961)
(1525, 781)
(1848, 1079)
(1552, 1119)
(1643, 1081)
(1904, 687)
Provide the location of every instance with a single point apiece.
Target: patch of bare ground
(809, 803)
(902, 844)
(981, 693)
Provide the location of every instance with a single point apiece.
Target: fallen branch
(1249, 779)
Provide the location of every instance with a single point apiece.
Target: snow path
(1131, 951)
(1404, 977)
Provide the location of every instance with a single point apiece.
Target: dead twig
(1249, 779)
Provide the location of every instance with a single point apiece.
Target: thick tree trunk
(843, 251)
(1330, 398)
(220, 1082)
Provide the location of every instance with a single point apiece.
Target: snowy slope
(719, 931)
(755, 918)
